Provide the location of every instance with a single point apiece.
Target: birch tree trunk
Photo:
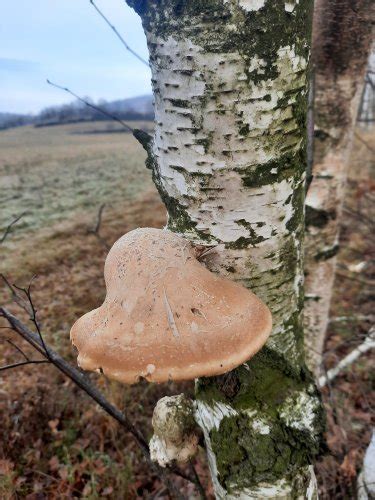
(342, 37)
(228, 157)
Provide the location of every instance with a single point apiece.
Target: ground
(54, 442)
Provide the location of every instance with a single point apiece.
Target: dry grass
(53, 442)
(63, 446)
(59, 174)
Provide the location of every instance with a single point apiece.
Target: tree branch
(368, 344)
(118, 34)
(103, 111)
(82, 381)
(33, 311)
(18, 349)
(142, 137)
(96, 230)
(9, 227)
(370, 148)
(198, 483)
(15, 297)
(23, 363)
(355, 318)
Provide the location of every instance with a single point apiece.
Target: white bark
(228, 158)
(366, 480)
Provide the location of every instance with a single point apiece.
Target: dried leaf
(54, 463)
(349, 464)
(6, 467)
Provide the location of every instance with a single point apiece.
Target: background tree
(342, 36)
(228, 158)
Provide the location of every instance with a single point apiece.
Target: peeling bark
(342, 37)
(228, 158)
(175, 436)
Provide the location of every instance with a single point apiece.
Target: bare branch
(96, 230)
(34, 318)
(359, 216)
(9, 227)
(23, 354)
(23, 363)
(118, 34)
(198, 483)
(80, 379)
(140, 135)
(99, 220)
(30, 308)
(103, 111)
(73, 373)
(359, 317)
(370, 148)
(15, 297)
(368, 344)
(363, 281)
(83, 382)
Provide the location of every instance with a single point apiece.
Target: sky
(69, 43)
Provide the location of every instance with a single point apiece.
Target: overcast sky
(67, 42)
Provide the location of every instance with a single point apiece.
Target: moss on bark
(263, 442)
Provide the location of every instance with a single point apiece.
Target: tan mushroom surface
(166, 316)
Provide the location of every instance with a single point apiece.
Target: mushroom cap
(166, 316)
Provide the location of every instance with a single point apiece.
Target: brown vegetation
(54, 443)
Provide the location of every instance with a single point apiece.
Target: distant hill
(134, 108)
(8, 120)
(141, 104)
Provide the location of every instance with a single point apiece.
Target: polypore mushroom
(166, 316)
(175, 436)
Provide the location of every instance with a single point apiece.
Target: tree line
(76, 111)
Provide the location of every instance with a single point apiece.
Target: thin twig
(51, 478)
(9, 227)
(359, 317)
(345, 343)
(103, 111)
(73, 373)
(33, 312)
(96, 230)
(23, 363)
(331, 397)
(99, 219)
(359, 216)
(198, 483)
(15, 297)
(23, 354)
(370, 148)
(118, 34)
(354, 278)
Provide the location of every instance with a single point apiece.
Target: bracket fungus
(166, 316)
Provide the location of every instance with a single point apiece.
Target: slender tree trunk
(229, 157)
(342, 37)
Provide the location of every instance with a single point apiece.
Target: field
(54, 443)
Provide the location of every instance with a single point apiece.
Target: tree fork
(228, 157)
